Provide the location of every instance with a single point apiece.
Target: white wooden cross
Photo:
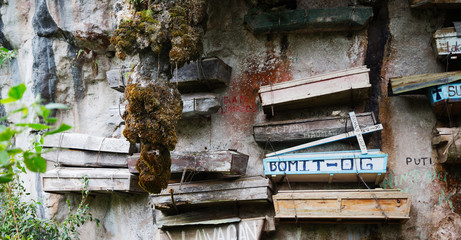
(358, 132)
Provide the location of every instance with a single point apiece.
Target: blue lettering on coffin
(445, 92)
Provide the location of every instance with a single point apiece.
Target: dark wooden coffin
(310, 20)
(249, 189)
(308, 129)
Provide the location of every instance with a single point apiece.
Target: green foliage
(19, 218)
(6, 54)
(13, 159)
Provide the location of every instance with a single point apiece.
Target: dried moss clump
(177, 26)
(151, 117)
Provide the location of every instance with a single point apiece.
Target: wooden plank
(437, 3)
(104, 180)
(447, 142)
(204, 75)
(308, 129)
(447, 42)
(226, 162)
(342, 204)
(89, 143)
(203, 216)
(365, 130)
(199, 104)
(341, 166)
(410, 84)
(249, 229)
(209, 192)
(358, 133)
(309, 20)
(67, 157)
(337, 87)
(446, 99)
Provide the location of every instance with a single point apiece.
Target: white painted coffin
(446, 42)
(331, 88)
(361, 205)
(102, 180)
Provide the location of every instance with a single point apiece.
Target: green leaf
(17, 92)
(62, 128)
(7, 134)
(8, 177)
(7, 100)
(51, 120)
(56, 106)
(38, 147)
(4, 159)
(35, 162)
(36, 126)
(14, 151)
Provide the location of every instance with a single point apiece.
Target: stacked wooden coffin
(294, 164)
(101, 160)
(435, 3)
(195, 81)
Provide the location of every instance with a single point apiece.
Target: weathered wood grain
(204, 75)
(227, 162)
(89, 143)
(249, 229)
(447, 42)
(447, 142)
(203, 216)
(308, 129)
(413, 83)
(214, 191)
(345, 86)
(438, 3)
(68, 157)
(309, 20)
(105, 180)
(342, 204)
(199, 104)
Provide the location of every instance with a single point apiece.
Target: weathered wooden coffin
(419, 83)
(437, 3)
(249, 229)
(199, 76)
(341, 166)
(447, 142)
(226, 162)
(250, 189)
(352, 85)
(447, 42)
(103, 180)
(310, 20)
(308, 129)
(195, 105)
(204, 75)
(68, 157)
(89, 143)
(359, 205)
(446, 99)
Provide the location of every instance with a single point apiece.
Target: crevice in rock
(378, 34)
(77, 73)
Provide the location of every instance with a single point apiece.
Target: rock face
(64, 52)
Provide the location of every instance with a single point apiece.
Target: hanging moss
(151, 117)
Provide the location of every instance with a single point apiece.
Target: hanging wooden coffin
(436, 3)
(226, 162)
(249, 229)
(446, 99)
(204, 75)
(250, 189)
(199, 76)
(103, 180)
(447, 43)
(421, 82)
(341, 166)
(308, 129)
(74, 149)
(195, 105)
(310, 20)
(352, 85)
(447, 142)
(361, 206)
